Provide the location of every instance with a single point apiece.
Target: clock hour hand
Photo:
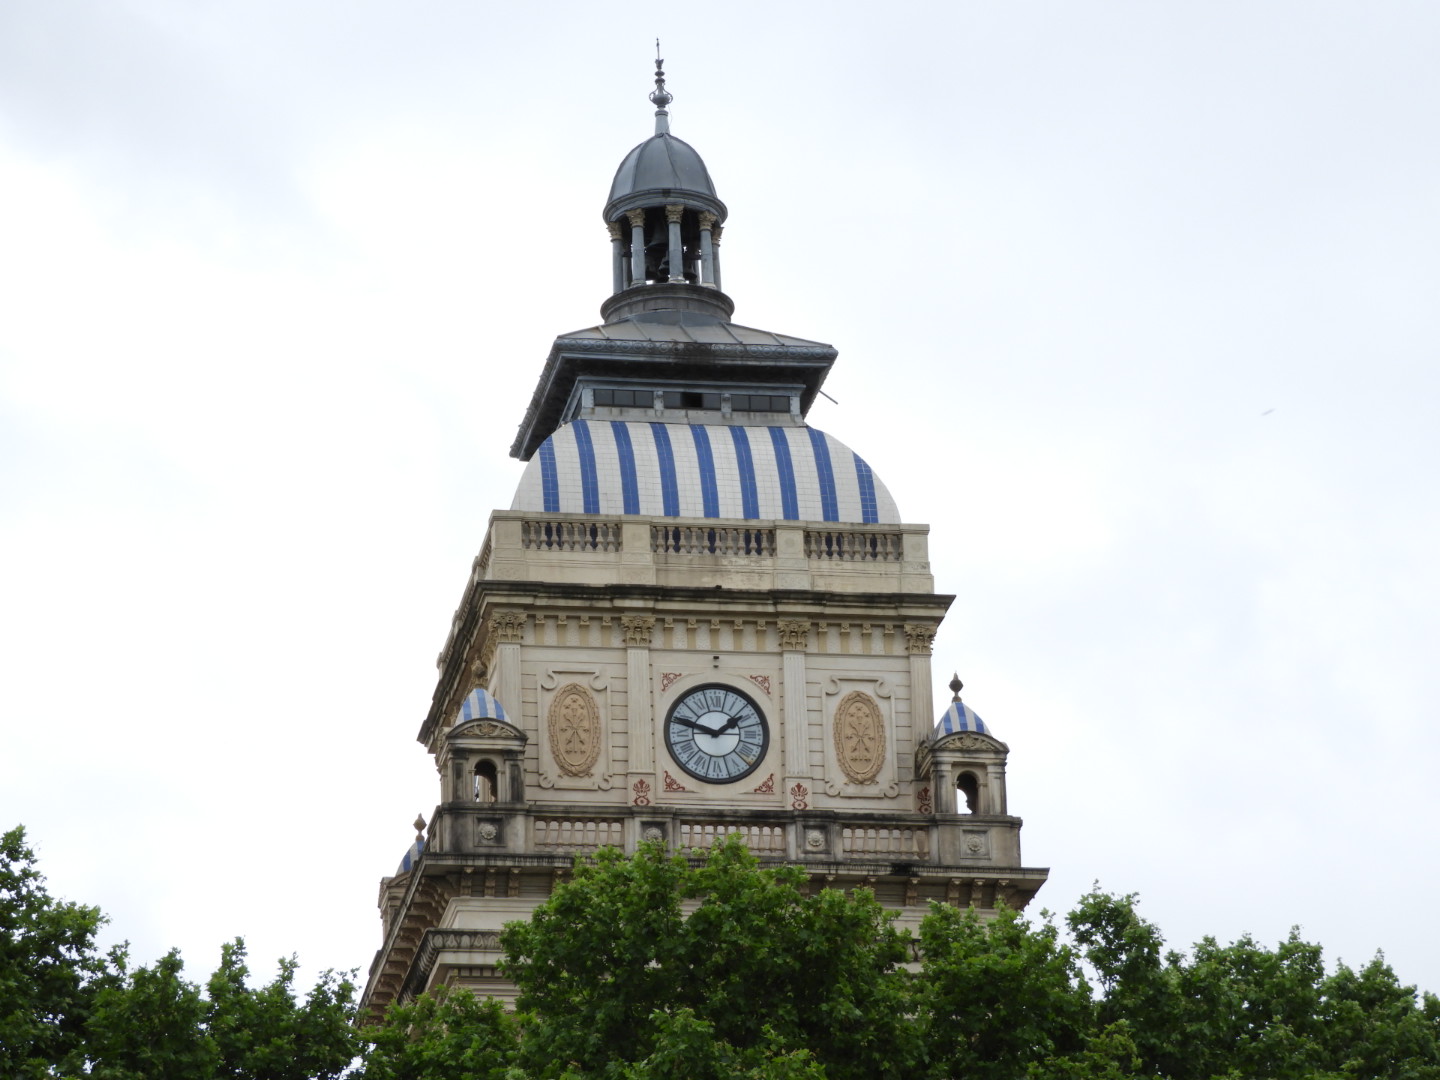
(696, 727)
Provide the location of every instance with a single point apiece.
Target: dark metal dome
(660, 163)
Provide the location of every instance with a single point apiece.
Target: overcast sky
(1135, 304)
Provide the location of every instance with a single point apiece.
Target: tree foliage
(48, 966)
(656, 967)
(659, 967)
(67, 1011)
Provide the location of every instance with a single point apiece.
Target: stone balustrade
(832, 836)
(529, 546)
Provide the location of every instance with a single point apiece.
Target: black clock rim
(764, 728)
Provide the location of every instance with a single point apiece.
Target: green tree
(65, 1010)
(995, 997)
(449, 1034)
(1372, 1026)
(152, 1022)
(149, 1022)
(1244, 1010)
(760, 965)
(49, 967)
(659, 967)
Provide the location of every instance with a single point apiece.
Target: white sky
(1135, 304)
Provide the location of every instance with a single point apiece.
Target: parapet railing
(708, 540)
(587, 535)
(853, 546)
(848, 545)
(862, 842)
(760, 839)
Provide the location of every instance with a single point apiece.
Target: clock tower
(699, 616)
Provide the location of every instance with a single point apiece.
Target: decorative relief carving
(968, 740)
(574, 730)
(918, 639)
(637, 218)
(707, 219)
(767, 788)
(671, 784)
(667, 678)
(814, 839)
(614, 229)
(922, 801)
(794, 634)
(800, 797)
(487, 831)
(977, 844)
(859, 737)
(508, 627)
(638, 629)
(762, 681)
(652, 833)
(642, 793)
(674, 213)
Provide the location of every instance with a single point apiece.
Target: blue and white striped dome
(480, 705)
(782, 473)
(412, 856)
(959, 717)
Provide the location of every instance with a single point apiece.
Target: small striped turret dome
(480, 705)
(959, 717)
(412, 856)
(781, 473)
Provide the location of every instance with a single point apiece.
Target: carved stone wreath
(859, 737)
(574, 726)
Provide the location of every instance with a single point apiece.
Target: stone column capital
(638, 629)
(674, 212)
(919, 638)
(794, 634)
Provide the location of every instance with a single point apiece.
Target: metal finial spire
(660, 96)
(956, 686)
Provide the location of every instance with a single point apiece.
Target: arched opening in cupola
(487, 782)
(969, 788)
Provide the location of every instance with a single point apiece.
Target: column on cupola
(674, 213)
(637, 246)
(707, 249)
(794, 639)
(715, 231)
(617, 255)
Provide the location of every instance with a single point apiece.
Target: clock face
(716, 734)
